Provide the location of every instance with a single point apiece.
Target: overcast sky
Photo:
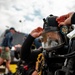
(25, 15)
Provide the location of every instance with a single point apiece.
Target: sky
(25, 15)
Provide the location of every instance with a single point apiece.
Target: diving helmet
(51, 37)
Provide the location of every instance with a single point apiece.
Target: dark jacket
(7, 40)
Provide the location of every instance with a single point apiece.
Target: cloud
(26, 15)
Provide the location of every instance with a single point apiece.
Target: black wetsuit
(30, 57)
(73, 19)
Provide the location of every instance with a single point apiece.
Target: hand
(61, 18)
(7, 49)
(65, 19)
(35, 73)
(0, 49)
(36, 32)
(18, 46)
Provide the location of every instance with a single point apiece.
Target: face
(50, 35)
(51, 39)
(53, 35)
(13, 31)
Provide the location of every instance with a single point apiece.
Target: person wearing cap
(52, 42)
(6, 46)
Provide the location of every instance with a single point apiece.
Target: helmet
(51, 37)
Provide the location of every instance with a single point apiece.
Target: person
(52, 42)
(68, 19)
(6, 46)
